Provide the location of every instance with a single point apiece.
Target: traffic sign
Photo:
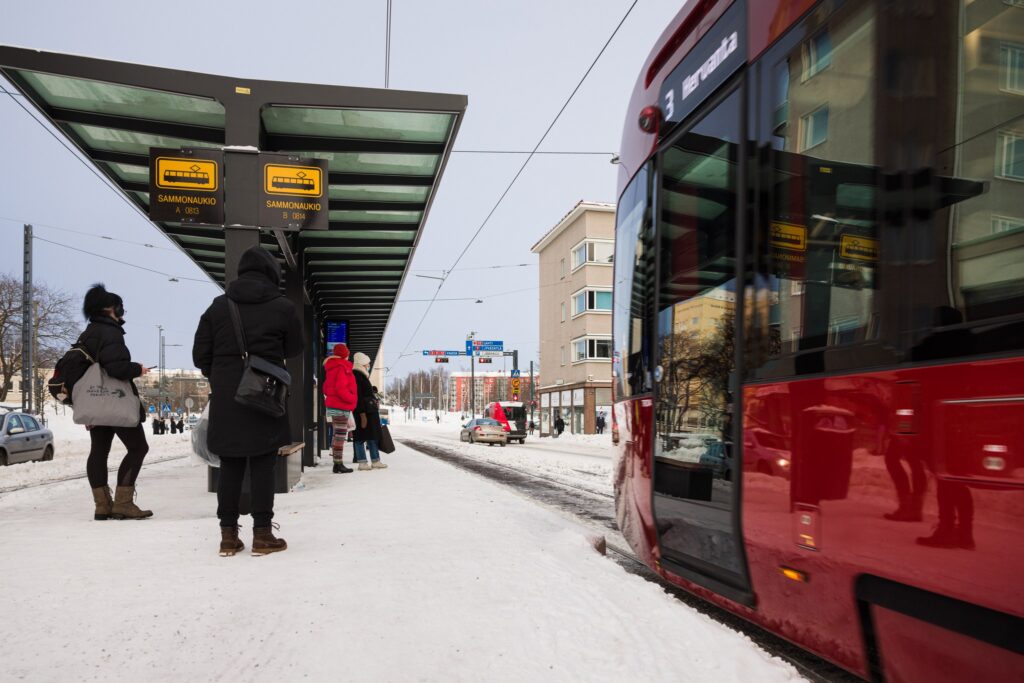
(488, 354)
(441, 359)
(185, 185)
(515, 372)
(189, 403)
(292, 192)
(483, 360)
(515, 384)
(440, 352)
(483, 345)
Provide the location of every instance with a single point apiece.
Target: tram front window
(694, 469)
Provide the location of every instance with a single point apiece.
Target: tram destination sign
(718, 55)
(293, 192)
(186, 185)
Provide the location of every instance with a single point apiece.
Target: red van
(512, 417)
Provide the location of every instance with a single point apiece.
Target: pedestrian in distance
(241, 436)
(340, 398)
(367, 415)
(103, 340)
(532, 426)
(600, 423)
(559, 426)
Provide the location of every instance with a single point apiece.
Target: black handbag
(386, 444)
(264, 386)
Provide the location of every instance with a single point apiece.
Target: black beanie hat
(98, 298)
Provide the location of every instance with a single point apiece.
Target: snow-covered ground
(71, 450)
(581, 459)
(417, 572)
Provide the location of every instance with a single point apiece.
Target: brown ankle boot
(229, 541)
(124, 505)
(101, 496)
(264, 542)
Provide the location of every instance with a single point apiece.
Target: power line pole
(28, 374)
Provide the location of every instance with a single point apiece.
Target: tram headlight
(650, 119)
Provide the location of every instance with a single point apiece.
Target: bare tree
(54, 328)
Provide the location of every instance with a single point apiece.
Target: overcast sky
(516, 61)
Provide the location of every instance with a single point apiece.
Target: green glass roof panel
(129, 142)
(379, 162)
(376, 216)
(326, 237)
(341, 251)
(207, 241)
(406, 126)
(65, 92)
(378, 193)
(144, 196)
(320, 265)
(130, 172)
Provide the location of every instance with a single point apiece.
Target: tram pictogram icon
(302, 181)
(184, 173)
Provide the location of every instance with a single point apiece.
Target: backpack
(69, 369)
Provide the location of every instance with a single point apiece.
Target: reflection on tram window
(633, 290)
(694, 469)
(895, 203)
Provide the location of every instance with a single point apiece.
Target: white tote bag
(100, 400)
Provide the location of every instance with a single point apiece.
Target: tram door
(695, 469)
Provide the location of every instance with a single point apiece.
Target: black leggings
(229, 489)
(133, 438)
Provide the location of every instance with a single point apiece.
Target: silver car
(484, 430)
(23, 439)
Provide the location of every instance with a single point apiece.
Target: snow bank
(417, 572)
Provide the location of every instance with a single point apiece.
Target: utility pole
(28, 374)
(472, 376)
(532, 397)
(28, 361)
(159, 360)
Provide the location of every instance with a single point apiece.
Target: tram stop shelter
(385, 153)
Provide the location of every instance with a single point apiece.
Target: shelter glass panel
(377, 216)
(377, 162)
(379, 193)
(129, 142)
(359, 124)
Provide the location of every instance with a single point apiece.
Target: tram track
(50, 482)
(598, 508)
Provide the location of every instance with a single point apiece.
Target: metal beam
(341, 226)
(367, 205)
(286, 248)
(343, 243)
(395, 179)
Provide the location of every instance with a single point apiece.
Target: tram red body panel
(819, 456)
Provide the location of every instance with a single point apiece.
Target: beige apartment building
(576, 319)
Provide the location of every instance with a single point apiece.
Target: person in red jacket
(340, 397)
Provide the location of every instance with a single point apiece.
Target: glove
(362, 420)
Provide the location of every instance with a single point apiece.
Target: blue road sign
(483, 345)
(515, 373)
(439, 352)
(152, 409)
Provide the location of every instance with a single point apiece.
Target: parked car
(485, 430)
(22, 439)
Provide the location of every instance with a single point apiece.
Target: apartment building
(576, 318)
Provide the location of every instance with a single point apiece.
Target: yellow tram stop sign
(184, 173)
(303, 181)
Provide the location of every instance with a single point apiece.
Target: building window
(1011, 60)
(814, 128)
(1010, 156)
(563, 356)
(817, 54)
(1006, 224)
(591, 348)
(592, 300)
(563, 311)
(561, 268)
(592, 252)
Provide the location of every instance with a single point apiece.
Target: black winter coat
(272, 331)
(103, 339)
(366, 404)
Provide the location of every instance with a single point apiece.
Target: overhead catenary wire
(124, 263)
(522, 168)
(119, 240)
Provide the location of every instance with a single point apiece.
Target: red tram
(819, 326)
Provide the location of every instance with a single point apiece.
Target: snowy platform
(417, 572)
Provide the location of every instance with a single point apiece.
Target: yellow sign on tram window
(183, 173)
(789, 236)
(858, 248)
(302, 181)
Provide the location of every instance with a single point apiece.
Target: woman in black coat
(103, 340)
(367, 416)
(239, 435)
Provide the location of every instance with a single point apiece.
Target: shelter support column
(298, 366)
(310, 359)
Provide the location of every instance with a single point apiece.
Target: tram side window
(818, 305)
(633, 288)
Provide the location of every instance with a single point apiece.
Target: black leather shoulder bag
(264, 386)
